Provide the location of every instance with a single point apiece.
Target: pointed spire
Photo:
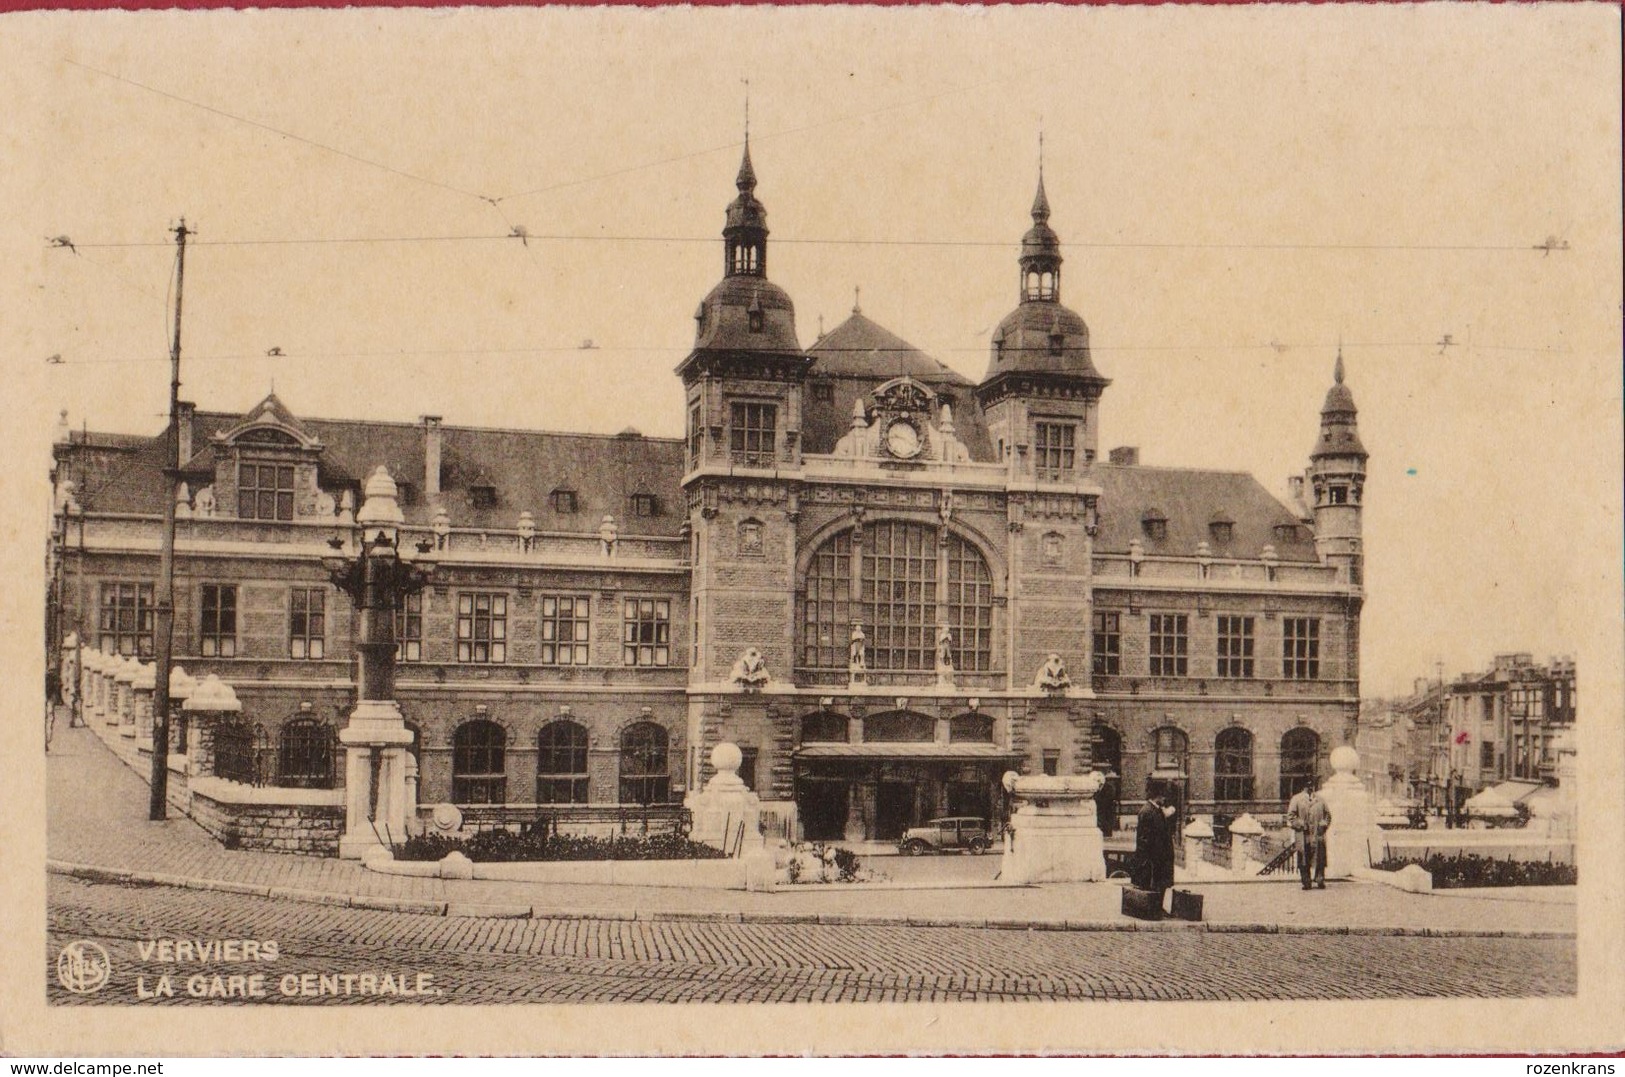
(746, 180)
(1337, 370)
(857, 297)
(1041, 202)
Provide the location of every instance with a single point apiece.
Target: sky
(1239, 193)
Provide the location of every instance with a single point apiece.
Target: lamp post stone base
(375, 764)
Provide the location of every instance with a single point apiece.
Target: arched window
(1233, 764)
(908, 581)
(561, 764)
(1170, 751)
(1300, 754)
(1107, 749)
(645, 773)
(305, 754)
(479, 770)
(899, 726)
(971, 728)
(824, 727)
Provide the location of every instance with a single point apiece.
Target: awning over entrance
(912, 750)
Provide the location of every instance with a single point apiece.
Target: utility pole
(164, 621)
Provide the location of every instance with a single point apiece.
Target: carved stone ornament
(750, 672)
(1053, 676)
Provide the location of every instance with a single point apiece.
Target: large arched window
(1233, 765)
(305, 754)
(479, 773)
(899, 726)
(824, 727)
(907, 583)
(1300, 754)
(645, 773)
(561, 764)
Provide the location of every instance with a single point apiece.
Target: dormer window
(265, 491)
(754, 313)
(1057, 343)
(823, 392)
(1221, 529)
(645, 505)
(482, 496)
(406, 493)
(1286, 532)
(1155, 525)
(564, 501)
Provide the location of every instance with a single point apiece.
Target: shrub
(846, 863)
(1470, 869)
(538, 844)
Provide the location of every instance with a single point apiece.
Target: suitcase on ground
(1142, 904)
(1186, 906)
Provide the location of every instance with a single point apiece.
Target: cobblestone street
(476, 960)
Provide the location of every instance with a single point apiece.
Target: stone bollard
(1245, 832)
(1349, 838)
(1198, 834)
(1055, 830)
(725, 807)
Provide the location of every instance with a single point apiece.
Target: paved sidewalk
(96, 819)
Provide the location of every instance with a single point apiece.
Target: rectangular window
(307, 623)
(1170, 644)
(482, 497)
(646, 632)
(747, 765)
(1300, 648)
(566, 629)
(1486, 755)
(752, 433)
(823, 392)
(409, 628)
(645, 505)
(482, 627)
(265, 491)
(564, 501)
(1108, 650)
(1052, 762)
(217, 630)
(1055, 450)
(696, 436)
(1236, 647)
(126, 618)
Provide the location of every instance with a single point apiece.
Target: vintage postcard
(817, 530)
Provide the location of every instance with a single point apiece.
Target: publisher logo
(83, 967)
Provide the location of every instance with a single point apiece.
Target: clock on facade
(903, 439)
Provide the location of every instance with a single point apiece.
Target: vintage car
(960, 834)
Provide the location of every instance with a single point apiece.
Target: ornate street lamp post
(377, 576)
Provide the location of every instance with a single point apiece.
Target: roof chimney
(431, 455)
(1125, 456)
(185, 412)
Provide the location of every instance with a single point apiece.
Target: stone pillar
(1244, 834)
(1198, 835)
(412, 826)
(124, 696)
(1056, 835)
(1348, 839)
(375, 757)
(142, 688)
(725, 804)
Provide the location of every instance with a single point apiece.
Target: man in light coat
(1308, 816)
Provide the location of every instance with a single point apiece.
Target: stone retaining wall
(310, 829)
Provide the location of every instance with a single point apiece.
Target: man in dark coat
(1154, 847)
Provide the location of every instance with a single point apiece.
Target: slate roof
(1190, 500)
(860, 355)
(524, 467)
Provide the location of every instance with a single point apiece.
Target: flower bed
(535, 845)
(1471, 870)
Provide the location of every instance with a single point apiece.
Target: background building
(886, 583)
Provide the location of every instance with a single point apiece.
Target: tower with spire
(1337, 481)
(1040, 379)
(743, 381)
